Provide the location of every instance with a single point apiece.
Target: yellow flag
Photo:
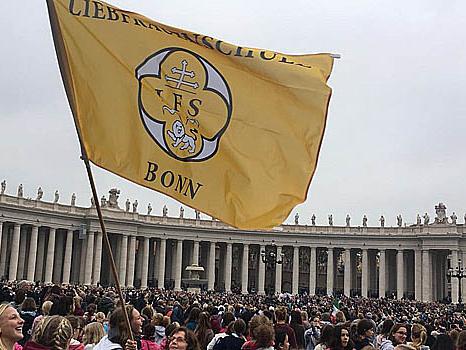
(234, 132)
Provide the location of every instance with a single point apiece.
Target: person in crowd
(119, 336)
(159, 327)
(327, 337)
(11, 327)
(255, 322)
(418, 337)
(183, 338)
(305, 320)
(147, 340)
(191, 321)
(296, 323)
(443, 342)
(340, 317)
(77, 323)
(384, 332)
(168, 331)
(461, 341)
(46, 306)
(51, 333)
(203, 331)
(93, 333)
(100, 317)
(281, 341)
(281, 326)
(264, 336)
(342, 339)
(235, 337)
(28, 312)
(365, 333)
(397, 336)
(89, 315)
(312, 335)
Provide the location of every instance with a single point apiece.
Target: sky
(396, 129)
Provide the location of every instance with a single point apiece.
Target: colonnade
(70, 255)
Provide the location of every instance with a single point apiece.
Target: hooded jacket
(386, 344)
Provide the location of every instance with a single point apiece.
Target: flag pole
(67, 82)
(105, 238)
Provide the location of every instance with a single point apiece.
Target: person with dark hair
(365, 332)
(397, 335)
(327, 337)
(147, 340)
(203, 331)
(235, 339)
(281, 341)
(28, 312)
(183, 338)
(191, 321)
(225, 330)
(312, 335)
(461, 341)
(342, 338)
(384, 332)
(296, 323)
(281, 326)
(443, 342)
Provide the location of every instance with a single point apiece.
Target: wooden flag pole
(106, 240)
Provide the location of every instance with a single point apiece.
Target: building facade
(53, 242)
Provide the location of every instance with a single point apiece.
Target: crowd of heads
(78, 317)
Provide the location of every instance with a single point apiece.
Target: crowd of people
(35, 317)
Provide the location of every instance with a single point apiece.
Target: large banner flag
(234, 132)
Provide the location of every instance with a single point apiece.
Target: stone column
(365, 273)
(245, 269)
(2, 249)
(32, 253)
(67, 257)
(418, 274)
(179, 265)
(295, 270)
(382, 274)
(39, 273)
(426, 276)
(50, 256)
(14, 255)
(330, 271)
(145, 263)
(97, 258)
(454, 281)
(211, 275)
(123, 259)
(399, 274)
(261, 284)
(228, 263)
(278, 271)
(312, 271)
(195, 253)
(22, 253)
(131, 261)
(89, 258)
(347, 278)
(161, 276)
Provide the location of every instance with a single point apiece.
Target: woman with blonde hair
(93, 332)
(52, 332)
(418, 337)
(11, 327)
